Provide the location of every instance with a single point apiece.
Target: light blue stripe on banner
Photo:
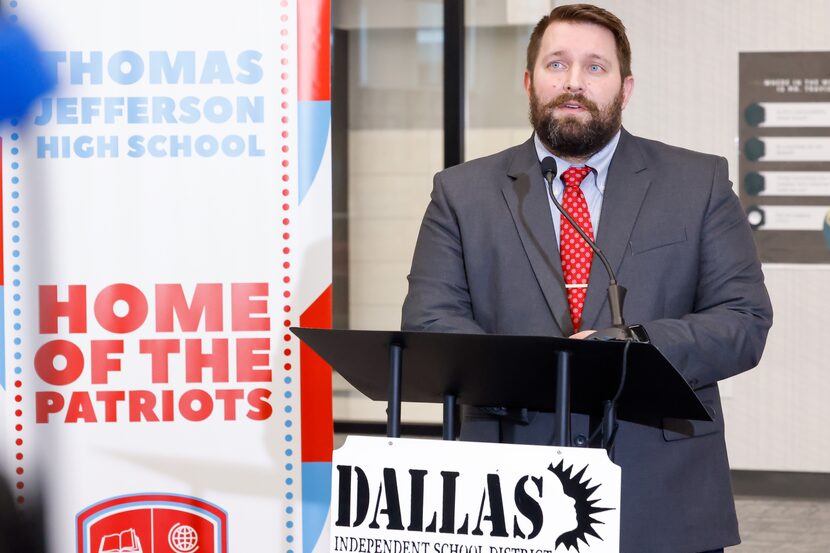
(316, 499)
(2, 336)
(314, 119)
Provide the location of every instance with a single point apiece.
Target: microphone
(616, 293)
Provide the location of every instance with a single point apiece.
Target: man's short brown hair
(582, 13)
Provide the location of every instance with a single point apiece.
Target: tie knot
(575, 175)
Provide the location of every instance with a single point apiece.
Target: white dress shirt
(592, 187)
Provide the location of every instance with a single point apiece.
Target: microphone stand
(618, 330)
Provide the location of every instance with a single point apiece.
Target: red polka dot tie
(575, 253)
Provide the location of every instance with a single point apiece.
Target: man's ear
(528, 82)
(627, 89)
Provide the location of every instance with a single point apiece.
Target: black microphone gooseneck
(618, 331)
(616, 293)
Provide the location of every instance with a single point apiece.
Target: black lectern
(535, 372)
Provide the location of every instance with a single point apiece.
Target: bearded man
(495, 256)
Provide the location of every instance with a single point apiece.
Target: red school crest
(152, 523)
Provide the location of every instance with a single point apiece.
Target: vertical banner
(166, 219)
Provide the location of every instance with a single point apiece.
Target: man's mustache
(566, 98)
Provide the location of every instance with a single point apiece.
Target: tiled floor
(774, 525)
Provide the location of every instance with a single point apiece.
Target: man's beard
(568, 136)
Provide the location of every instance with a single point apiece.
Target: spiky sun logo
(579, 491)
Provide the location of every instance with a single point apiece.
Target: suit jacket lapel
(625, 189)
(527, 200)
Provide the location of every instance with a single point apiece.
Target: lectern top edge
(473, 366)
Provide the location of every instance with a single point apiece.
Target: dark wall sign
(784, 169)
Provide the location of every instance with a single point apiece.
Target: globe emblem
(183, 538)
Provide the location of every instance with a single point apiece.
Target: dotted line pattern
(16, 312)
(18, 382)
(287, 339)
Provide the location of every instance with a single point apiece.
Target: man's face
(576, 91)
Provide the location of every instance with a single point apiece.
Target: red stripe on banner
(314, 29)
(315, 388)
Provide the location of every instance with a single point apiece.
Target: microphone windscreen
(549, 166)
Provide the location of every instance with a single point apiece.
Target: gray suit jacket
(486, 261)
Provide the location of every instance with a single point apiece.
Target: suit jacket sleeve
(726, 332)
(439, 295)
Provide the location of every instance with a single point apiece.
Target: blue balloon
(22, 71)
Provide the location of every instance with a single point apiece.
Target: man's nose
(573, 81)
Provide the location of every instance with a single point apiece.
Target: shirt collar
(599, 162)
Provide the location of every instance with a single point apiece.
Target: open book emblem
(123, 542)
(152, 523)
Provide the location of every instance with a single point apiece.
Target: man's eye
(595, 68)
(556, 65)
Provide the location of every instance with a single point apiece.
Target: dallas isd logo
(152, 523)
(526, 506)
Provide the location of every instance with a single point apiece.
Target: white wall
(685, 61)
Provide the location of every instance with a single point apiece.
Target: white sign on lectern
(394, 495)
